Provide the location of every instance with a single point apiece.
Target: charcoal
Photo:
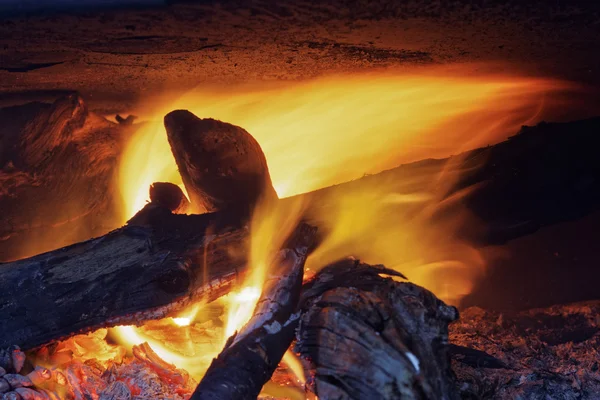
(17, 381)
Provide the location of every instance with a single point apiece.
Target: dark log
(543, 175)
(251, 356)
(170, 196)
(364, 336)
(57, 165)
(222, 165)
(155, 265)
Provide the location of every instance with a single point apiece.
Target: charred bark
(251, 356)
(57, 164)
(156, 264)
(222, 165)
(368, 337)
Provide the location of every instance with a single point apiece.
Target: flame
(327, 131)
(334, 129)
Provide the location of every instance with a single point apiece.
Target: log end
(222, 165)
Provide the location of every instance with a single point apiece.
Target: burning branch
(251, 355)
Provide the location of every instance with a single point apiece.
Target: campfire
(191, 258)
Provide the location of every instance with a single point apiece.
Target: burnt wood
(57, 165)
(251, 355)
(365, 336)
(170, 196)
(222, 165)
(153, 266)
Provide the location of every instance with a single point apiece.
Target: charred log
(251, 356)
(57, 164)
(368, 337)
(155, 265)
(170, 196)
(222, 165)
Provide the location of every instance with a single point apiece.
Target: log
(150, 268)
(543, 175)
(57, 165)
(170, 196)
(222, 165)
(364, 336)
(251, 356)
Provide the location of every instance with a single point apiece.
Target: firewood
(251, 355)
(369, 337)
(222, 165)
(170, 196)
(156, 264)
(57, 165)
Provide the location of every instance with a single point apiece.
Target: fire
(335, 129)
(316, 134)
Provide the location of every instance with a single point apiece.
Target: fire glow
(320, 133)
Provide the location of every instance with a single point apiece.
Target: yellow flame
(293, 363)
(335, 129)
(182, 321)
(241, 306)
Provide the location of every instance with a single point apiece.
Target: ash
(551, 353)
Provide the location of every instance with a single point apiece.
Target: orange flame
(327, 131)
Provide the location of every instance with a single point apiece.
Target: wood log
(543, 175)
(170, 196)
(57, 165)
(368, 337)
(251, 356)
(155, 265)
(222, 165)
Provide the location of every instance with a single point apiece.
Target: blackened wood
(57, 167)
(155, 265)
(364, 336)
(222, 165)
(170, 196)
(251, 355)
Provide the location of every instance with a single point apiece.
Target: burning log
(154, 265)
(57, 163)
(251, 355)
(222, 165)
(368, 337)
(159, 261)
(170, 196)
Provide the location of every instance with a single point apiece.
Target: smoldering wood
(222, 165)
(57, 165)
(170, 196)
(364, 336)
(156, 264)
(251, 355)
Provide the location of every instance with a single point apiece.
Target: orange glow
(324, 132)
(334, 129)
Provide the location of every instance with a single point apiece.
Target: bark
(155, 265)
(222, 165)
(368, 337)
(170, 196)
(57, 165)
(251, 356)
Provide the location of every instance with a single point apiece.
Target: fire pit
(326, 237)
